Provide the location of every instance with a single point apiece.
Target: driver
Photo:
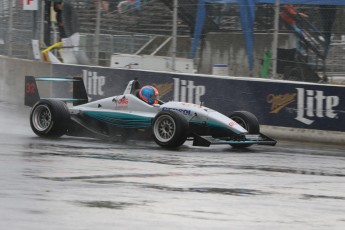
(149, 94)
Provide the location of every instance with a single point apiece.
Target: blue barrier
(275, 103)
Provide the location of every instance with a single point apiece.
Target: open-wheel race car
(123, 116)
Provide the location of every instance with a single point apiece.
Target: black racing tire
(248, 121)
(170, 129)
(49, 118)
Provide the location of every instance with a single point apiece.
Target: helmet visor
(154, 97)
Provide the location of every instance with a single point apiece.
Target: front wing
(248, 139)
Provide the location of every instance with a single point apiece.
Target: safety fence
(108, 27)
(17, 28)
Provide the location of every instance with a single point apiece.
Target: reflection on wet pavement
(76, 183)
(306, 196)
(222, 191)
(104, 204)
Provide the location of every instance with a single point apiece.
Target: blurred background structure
(210, 36)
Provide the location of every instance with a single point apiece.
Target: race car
(124, 116)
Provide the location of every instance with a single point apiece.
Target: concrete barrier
(12, 72)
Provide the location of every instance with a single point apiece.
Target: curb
(304, 135)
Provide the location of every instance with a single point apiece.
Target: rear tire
(248, 121)
(49, 118)
(170, 129)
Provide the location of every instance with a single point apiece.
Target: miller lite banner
(275, 103)
(30, 4)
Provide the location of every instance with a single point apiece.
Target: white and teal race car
(124, 116)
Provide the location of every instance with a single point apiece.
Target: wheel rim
(41, 117)
(241, 122)
(164, 128)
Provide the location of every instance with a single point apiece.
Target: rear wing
(32, 95)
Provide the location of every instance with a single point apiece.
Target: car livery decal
(210, 124)
(183, 111)
(217, 125)
(120, 120)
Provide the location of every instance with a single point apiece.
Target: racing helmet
(148, 94)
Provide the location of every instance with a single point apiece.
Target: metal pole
(174, 37)
(275, 38)
(42, 21)
(47, 23)
(34, 25)
(97, 32)
(10, 25)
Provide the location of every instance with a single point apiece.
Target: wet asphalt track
(74, 183)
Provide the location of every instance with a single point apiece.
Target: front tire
(170, 129)
(248, 121)
(49, 118)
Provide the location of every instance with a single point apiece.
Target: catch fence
(106, 27)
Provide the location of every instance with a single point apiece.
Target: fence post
(10, 25)
(97, 32)
(174, 36)
(275, 38)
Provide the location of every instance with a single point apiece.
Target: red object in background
(288, 14)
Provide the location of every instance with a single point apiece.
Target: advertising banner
(30, 4)
(275, 103)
